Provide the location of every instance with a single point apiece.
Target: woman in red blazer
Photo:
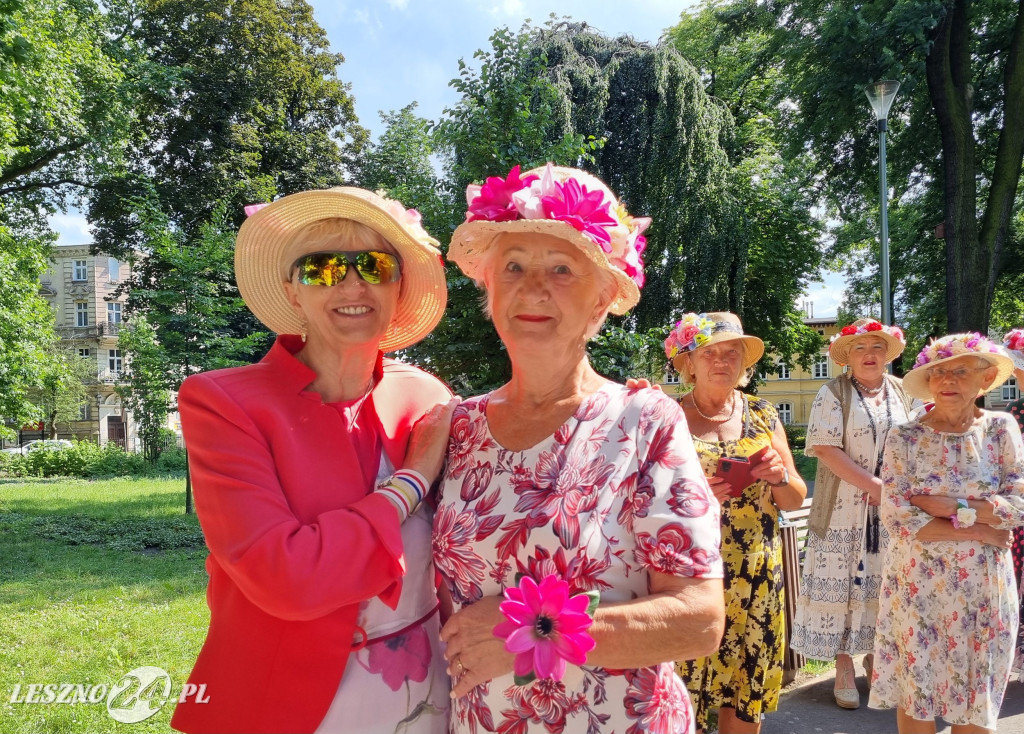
(309, 468)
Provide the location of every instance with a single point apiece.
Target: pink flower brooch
(545, 627)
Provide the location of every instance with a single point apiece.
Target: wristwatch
(785, 478)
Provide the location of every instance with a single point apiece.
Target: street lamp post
(881, 95)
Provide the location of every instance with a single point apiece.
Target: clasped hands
(944, 507)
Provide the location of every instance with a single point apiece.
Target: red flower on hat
(873, 326)
(849, 330)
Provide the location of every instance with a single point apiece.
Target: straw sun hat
(1013, 343)
(951, 347)
(697, 330)
(266, 249)
(564, 202)
(841, 343)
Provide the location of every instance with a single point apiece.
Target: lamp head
(880, 95)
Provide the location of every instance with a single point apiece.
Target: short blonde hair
(319, 236)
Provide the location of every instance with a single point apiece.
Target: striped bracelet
(405, 489)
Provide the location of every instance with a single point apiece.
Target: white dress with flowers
(616, 492)
(947, 617)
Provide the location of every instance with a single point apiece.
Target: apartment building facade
(81, 288)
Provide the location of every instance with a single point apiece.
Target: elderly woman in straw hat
(850, 418)
(954, 488)
(1013, 343)
(309, 468)
(743, 449)
(578, 500)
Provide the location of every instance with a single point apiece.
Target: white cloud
(825, 297)
(509, 9)
(398, 4)
(72, 228)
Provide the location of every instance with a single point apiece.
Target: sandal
(847, 698)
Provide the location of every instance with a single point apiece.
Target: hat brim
(915, 382)
(839, 350)
(472, 240)
(1017, 356)
(753, 348)
(265, 249)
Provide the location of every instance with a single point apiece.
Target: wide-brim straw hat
(724, 326)
(473, 239)
(1013, 343)
(953, 347)
(842, 343)
(266, 249)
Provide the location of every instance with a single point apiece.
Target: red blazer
(296, 538)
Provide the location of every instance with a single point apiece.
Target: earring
(302, 333)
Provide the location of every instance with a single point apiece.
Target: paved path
(808, 708)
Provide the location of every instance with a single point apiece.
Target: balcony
(89, 332)
(110, 376)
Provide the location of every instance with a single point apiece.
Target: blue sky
(402, 51)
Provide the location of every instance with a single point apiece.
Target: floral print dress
(1016, 409)
(616, 492)
(746, 671)
(947, 618)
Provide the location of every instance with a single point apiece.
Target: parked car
(43, 443)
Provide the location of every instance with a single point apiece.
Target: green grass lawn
(96, 578)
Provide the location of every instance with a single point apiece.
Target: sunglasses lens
(322, 268)
(377, 267)
(330, 268)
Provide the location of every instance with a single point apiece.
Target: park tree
(65, 386)
(181, 308)
(956, 129)
(63, 114)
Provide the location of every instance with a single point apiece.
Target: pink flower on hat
(493, 201)
(583, 210)
(1014, 340)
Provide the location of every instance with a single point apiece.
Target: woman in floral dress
(743, 678)
(954, 489)
(561, 473)
(1013, 342)
(842, 571)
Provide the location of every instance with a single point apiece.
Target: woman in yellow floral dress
(743, 679)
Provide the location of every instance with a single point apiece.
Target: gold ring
(459, 663)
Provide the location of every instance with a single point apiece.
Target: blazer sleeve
(290, 569)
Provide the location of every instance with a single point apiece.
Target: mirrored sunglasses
(330, 268)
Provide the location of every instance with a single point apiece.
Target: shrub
(796, 435)
(86, 459)
(171, 460)
(113, 461)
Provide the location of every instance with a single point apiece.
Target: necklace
(872, 532)
(869, 391)
(716, 419)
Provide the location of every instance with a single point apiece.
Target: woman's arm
(850, 471)
(941, 529)
(681, 619)
(291, 568)
(776, 463)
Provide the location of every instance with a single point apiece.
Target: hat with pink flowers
(564, 202)
(1013, 343)
(951, 347)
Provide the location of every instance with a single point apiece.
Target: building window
(783, 371)
(83, 411)
(786, 413)
(821, 367)
(114, 362)
(1011, 390)
(81, 313)
(81, 270)
(671, 378)
(113, 313)
(84, 352)
(113, 270)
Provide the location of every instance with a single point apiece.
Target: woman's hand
(641, 383)
(429, 440)
(991, 536)
(934, 505)
(873, 495)
(720, 488)
(771, 468)
(473, 653)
